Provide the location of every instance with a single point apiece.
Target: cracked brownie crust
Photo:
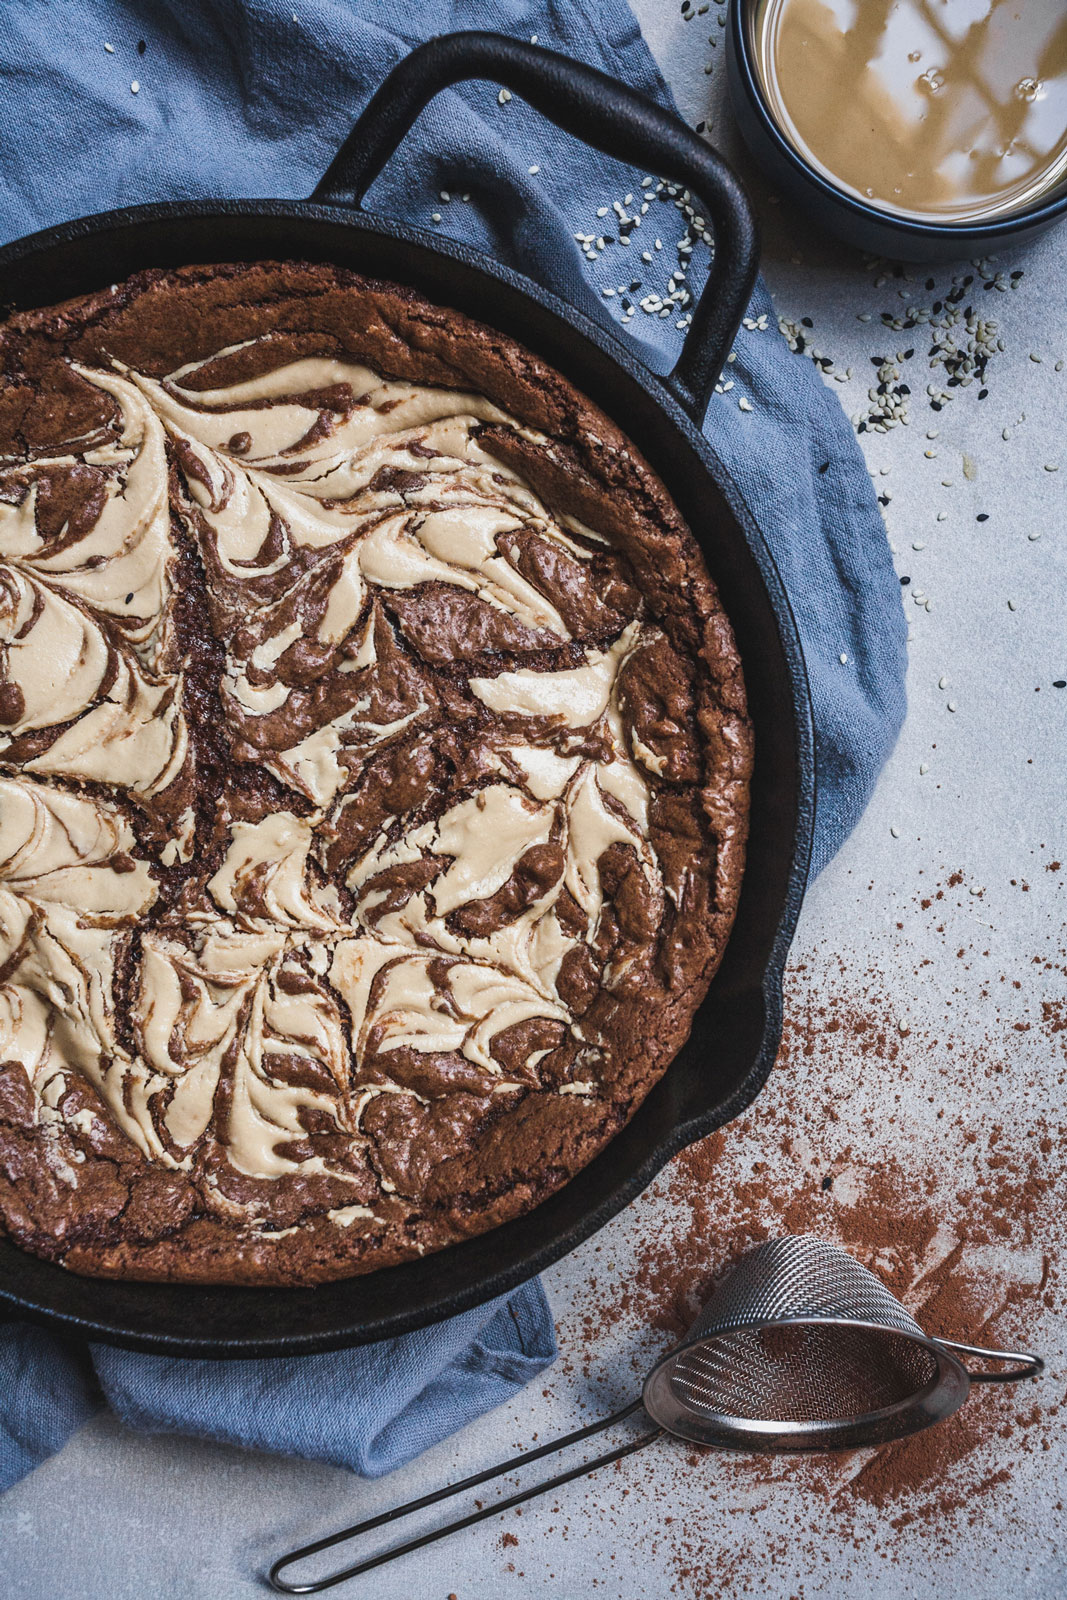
(373, 777)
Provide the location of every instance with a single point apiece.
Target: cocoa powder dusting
(966, 1233)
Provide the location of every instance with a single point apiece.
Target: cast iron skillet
(736, 1031)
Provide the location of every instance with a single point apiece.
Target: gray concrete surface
(950, 1116)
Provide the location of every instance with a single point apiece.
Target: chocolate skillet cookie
(373, 777)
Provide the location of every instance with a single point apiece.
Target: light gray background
(116, 1515)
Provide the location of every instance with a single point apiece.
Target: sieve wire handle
(1026, 1365)
(522, 1459)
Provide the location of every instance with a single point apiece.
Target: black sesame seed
(905, 581)
(908, 354)
(807, 322)
(827, 1182)
(983, 516)
(141, 47)
(929, 283)
(1059, 683)
(935, 405)
(129, 598)
(983, 394)
(825, 467)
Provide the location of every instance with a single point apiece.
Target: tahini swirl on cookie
(415, 651)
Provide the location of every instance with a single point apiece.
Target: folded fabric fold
(252, 97)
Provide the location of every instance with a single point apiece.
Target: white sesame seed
(533, 171)
(942, 683)
(435, 216)
(895, 831)
(602, 211)
(1036, 534)
(743, 404)
(843, 659)
(923, 769)
(1052, 466)
(135, 87)
(951, 705)
(110, 48)
(941, 515)
(974, 889)
(533, 38)
(503, 97)
(607, 293)
(1012, 605)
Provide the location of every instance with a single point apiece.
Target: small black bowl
(880, 232)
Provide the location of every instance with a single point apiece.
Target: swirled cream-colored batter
(340, 520)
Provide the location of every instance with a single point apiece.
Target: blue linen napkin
(252, 97)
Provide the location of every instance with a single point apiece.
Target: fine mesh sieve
(799, 1348)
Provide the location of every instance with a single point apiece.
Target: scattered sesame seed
(923, 769)
(917, 544)
(942, 683)
(951, 705)
(503, 97)
(843, 659)
(1035, 534)
(895, 831)
(743, 404)
(110, 48)
(135, 87)
(941, 515)
(1012, 606)
(533, 171)
(1052, 466)
(445, 196)
(435, 217)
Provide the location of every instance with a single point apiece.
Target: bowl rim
(980, 231)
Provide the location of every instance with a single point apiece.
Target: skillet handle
(605, 114)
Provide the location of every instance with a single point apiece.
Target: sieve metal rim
(943, 1395)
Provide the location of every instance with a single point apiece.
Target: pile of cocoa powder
(966, 1232)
